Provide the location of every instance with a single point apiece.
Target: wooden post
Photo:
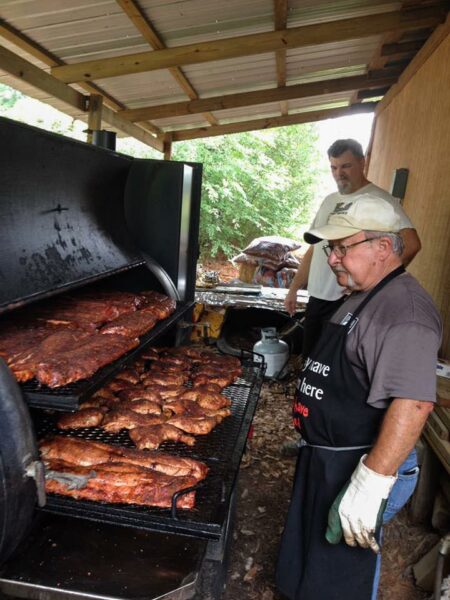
(95, 115)
(167, 144)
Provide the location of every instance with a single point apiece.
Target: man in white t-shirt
(347, 167)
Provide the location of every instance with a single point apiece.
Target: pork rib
(81, 362)
(120, 483)
(87, 453)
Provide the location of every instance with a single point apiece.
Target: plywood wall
(413, 131)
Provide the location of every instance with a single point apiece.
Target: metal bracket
(36, 471)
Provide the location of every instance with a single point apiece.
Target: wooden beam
(258, 43)
(401, 47)
(257, 124)
(25, 71)
(138, 18)
(437, 37)
(365, 94)
(290, 92)
(95, 115)
(167, 146)
(280, 19)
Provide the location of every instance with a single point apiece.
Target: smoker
(76, 216)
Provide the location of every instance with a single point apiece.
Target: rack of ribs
(121, 483)
(84, 360)
(88, 453)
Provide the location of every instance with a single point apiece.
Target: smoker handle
(162, 276)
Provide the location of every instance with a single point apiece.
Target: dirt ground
(264, 491)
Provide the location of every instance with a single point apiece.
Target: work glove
(358, 510)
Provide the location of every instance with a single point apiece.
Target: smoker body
(76, 216)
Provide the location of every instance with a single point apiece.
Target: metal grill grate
(221, 450)
(70, 396)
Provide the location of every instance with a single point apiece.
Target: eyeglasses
(341, 251)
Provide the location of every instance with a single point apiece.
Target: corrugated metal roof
(85, 30)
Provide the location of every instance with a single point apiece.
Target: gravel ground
(263, 497)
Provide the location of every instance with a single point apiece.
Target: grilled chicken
(168, 391)
(123, 418)
(163, 378)
(210, 400)
(203, 379)
(139, 392)
(195, 425)
(86, 417)
(142, 406)
(153, 436)
(190, 408)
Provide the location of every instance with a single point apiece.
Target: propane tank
(274, 351)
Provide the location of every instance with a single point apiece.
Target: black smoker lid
(62, 214)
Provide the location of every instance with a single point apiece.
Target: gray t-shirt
(393, 345)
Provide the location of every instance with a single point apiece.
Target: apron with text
(337, 426)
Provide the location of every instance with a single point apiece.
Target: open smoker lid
(21, 474)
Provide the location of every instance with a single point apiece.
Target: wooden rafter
(26, 71)
(291, 92)
(8, 32)
(138, 18)
(257, 124)
(307, 35)
(280, 20)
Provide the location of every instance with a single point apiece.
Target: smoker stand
(71, 558)
(65, 558)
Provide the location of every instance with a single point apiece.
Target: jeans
(403, 488)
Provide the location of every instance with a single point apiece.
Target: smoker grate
(70, 396)
(221, 449)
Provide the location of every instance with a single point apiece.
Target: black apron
(337, 426)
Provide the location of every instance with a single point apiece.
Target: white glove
(362, 506)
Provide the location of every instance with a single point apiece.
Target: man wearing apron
(361, 401)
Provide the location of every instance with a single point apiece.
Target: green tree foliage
(8, 96)
(254, 184)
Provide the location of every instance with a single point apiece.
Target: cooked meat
(123, 418)
(139, 392)
(142, 407)
(208, 387)
(117, 385)
(139, 366)
(174, 362)
(120, 483)
(153, 436)
(131, 324)
(150, 354)
(210, 400)
(130, 375)
(24, 365)
(159, 304)
(85, 417)
(167, 391)
(161, 378)
(104, 393)
(99, 402)
(81, 362)
(190, 408)
(220, 380)
(162, 366)
(87, 453)
(195, 425)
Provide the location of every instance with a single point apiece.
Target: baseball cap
(364, 212)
